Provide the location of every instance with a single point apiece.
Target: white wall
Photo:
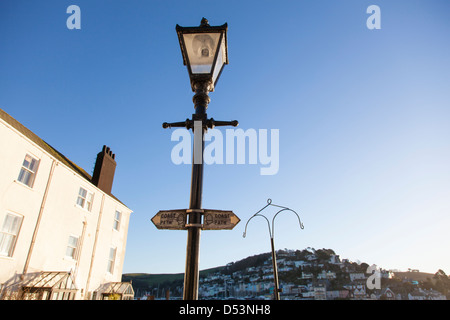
(61, 217)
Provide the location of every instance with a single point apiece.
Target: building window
(116, 224)
(28, 171)
(111, 259)
(72, 247)
(85, 199)
(9, 233)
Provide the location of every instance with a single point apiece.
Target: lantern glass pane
(221, 59)
(201, 49)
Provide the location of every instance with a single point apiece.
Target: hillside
(414, 276)
(303, 274)
(148, 280)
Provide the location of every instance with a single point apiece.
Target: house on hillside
(307, 275)
(320, 293)
(422, 294)
(417, 295)
(334, 259)
(356, 276)
(326, 275)
(356, 291)
(387, 294)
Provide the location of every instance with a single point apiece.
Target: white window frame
(26, 171)
(111, 259)
(85, 201)
(72, 247)
(117, 219)
(8, 233)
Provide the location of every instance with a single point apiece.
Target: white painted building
(357, 276)
(326, 275)
(62, 233)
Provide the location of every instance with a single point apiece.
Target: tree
(442, 282)
(323, 254)
(440, 275)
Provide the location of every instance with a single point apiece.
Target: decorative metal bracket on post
(210, 123)
(276, 293)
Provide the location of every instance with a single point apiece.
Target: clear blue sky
(363, 117)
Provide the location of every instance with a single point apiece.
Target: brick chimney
(105, 167)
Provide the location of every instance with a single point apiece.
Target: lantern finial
(204, 23)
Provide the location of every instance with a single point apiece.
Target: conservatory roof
(119, 287)
(51, 280)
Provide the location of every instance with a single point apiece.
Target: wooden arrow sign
(219, 220)
(212, 219)
(170, 219)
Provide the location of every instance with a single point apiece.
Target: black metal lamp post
(204, 51)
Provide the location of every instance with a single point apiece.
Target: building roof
(54, 280)
(47, 147)
(44, 280)
(119, 287)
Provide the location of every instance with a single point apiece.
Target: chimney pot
(105, 167)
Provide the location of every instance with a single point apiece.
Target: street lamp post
(205, 53)
(276, 291)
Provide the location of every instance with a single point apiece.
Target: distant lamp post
(204, 51)
(276, 291)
